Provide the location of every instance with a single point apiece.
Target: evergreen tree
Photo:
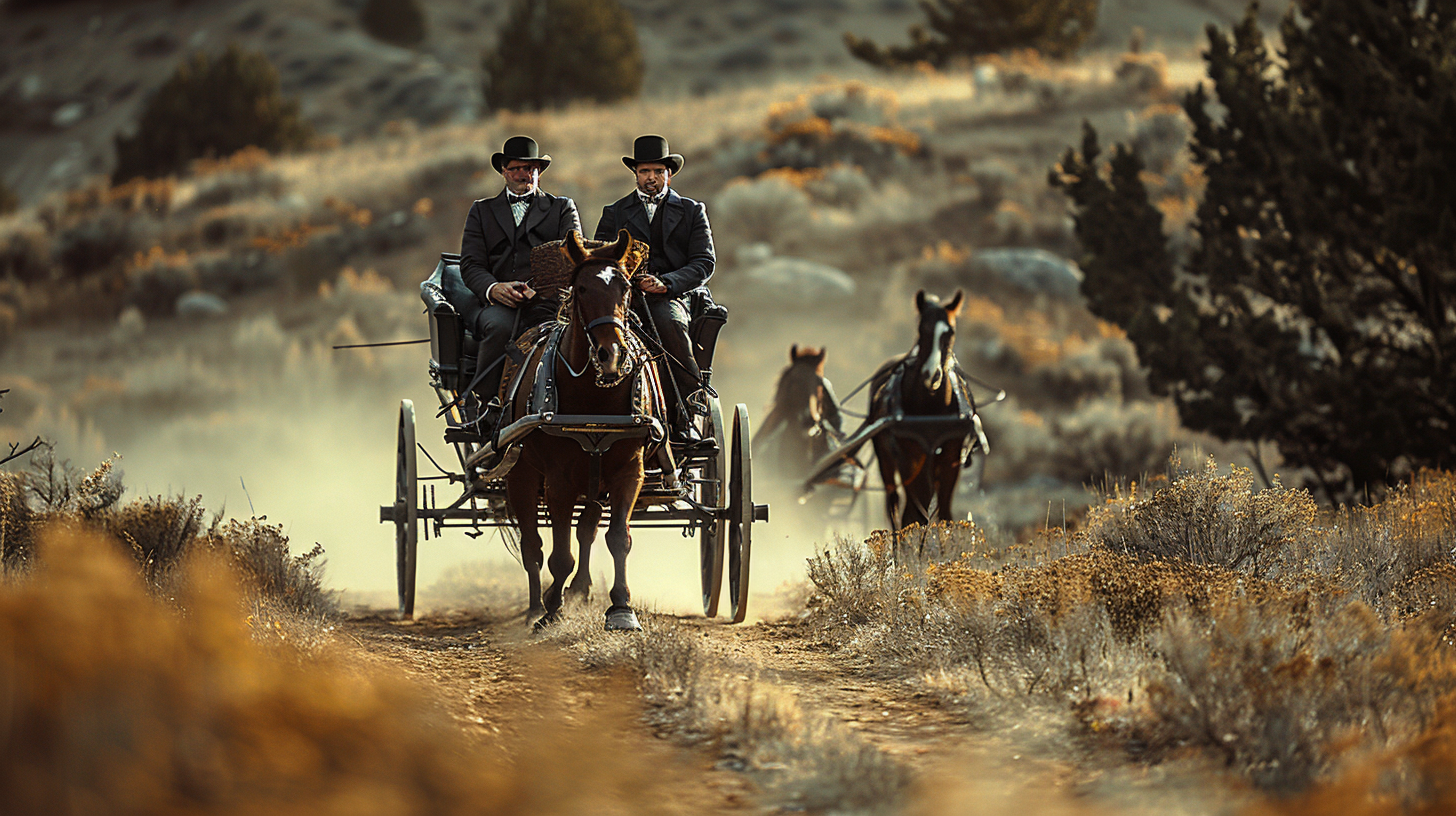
(210, 107)
(1316, 311)
(969, 28)
(550, 52)
(398, 22)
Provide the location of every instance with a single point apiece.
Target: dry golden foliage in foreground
(116, 703)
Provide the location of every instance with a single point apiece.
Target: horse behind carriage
(922, 423)
(704, 490)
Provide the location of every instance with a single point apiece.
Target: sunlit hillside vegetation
(1307, 651)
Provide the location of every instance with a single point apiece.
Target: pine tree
(1317, 310)
(970, 28)
(550, 52)
(210, 107)
(398, 22)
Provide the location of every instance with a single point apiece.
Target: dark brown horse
(922, 383)
(594, 373)
(804, 416)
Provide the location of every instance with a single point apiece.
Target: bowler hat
(648, 149)
(523, 148)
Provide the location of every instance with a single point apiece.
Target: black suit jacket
(687, 238)
(487, 249)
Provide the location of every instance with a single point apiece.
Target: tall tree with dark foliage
(1316, 310)
(550, 52)
(970, 28)
(211, 106)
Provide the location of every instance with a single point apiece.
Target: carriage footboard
(592, 431)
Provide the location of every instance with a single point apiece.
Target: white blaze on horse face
(934, 370)
(607, 273)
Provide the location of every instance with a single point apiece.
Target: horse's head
(600, 293)
(801, 387)
(937, 338)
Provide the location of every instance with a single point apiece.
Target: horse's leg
(885, 458)
(919, 489)
(560, 500)
(586, 535)
(947, 474)
(523, 487)
(619, 542)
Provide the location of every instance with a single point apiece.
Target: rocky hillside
(74, 73)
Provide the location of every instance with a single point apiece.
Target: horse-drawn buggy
(583, 434)
(922, 423)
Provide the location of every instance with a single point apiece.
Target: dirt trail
(480, 665)
(500, 688)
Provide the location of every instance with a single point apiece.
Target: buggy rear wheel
(740, 513)
(713, 492)
(406, 514)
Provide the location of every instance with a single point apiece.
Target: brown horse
(921, 383)
(595, 370)
(804, 415)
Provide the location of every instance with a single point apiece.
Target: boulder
(797, 279)
(200, 305)
(1035, 270)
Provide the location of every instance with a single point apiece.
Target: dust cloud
(310, 443)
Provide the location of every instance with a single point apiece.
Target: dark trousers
(670, 315)
(496, 328)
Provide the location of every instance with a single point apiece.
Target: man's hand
(512, 293)
(651, 285)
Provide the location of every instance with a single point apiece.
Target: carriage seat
(453, 308)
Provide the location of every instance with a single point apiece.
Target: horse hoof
(546, 622)
(622, 619)
(579, 592)
(535, 612)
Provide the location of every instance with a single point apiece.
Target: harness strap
(594, 476)
(611, 320)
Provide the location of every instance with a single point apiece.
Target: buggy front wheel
(740, 513)
(713, 492)
(406, 513)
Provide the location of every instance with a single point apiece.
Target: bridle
(630, 350)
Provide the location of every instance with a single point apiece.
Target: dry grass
(802, 759)
(160, 534)
(116, 703)
(1193, 612)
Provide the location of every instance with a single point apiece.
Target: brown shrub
(117, 704)
(1281, 696)
(160, 533)
(95, 244)
(25, 256)
(1207, 518)
(1237, 621)
(848, 124)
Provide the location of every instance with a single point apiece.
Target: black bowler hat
(523, 148)
(649, 149)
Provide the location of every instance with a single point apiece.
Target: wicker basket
(551, 268)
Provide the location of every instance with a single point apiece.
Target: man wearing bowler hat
(680, 257)
(495, 255)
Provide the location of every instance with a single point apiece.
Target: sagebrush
(1194, 610)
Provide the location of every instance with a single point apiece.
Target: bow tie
(512, 198)
(657, 199)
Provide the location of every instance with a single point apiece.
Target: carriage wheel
(740, 513)
(406, 514)
(713, 492)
